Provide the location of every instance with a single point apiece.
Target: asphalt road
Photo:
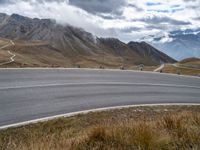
(35, 93)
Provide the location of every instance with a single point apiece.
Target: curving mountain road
(10, 53)
(27, 94)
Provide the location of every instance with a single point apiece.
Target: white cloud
(139, 17)
(62, 12)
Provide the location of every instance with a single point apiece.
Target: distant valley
(179, 44)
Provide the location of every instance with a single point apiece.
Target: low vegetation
(193, 62)
(182, 71)
(159, 127)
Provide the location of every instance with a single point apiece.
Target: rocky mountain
(146, 50)
(77, 45)
(179, 44)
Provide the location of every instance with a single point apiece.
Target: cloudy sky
(124, 19)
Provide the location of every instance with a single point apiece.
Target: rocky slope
(77, 45)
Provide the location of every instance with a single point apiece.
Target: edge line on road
(34, 121)
(100, 83)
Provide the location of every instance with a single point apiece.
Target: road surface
(27, 94)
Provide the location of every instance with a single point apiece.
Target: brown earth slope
(43, 42)
(191, 62)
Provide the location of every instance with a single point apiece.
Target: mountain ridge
(76, 44)
(180, 44)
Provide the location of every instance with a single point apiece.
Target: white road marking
(159, 68)
(90, 111)
(98, 83)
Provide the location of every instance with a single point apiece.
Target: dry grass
(193, 62)
(182, 71)
(145, 128)
(43, 54)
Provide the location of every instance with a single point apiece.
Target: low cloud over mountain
(124, 19)
(74, 44)
(179, 44)
(111, 17)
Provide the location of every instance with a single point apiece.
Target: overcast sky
(124, 19)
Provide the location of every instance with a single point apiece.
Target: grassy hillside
(179, 70)
(71, 46)
(144, 128)
(191, 62)
(42, 54)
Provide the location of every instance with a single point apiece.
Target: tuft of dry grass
(172, 122)
(143, 128)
